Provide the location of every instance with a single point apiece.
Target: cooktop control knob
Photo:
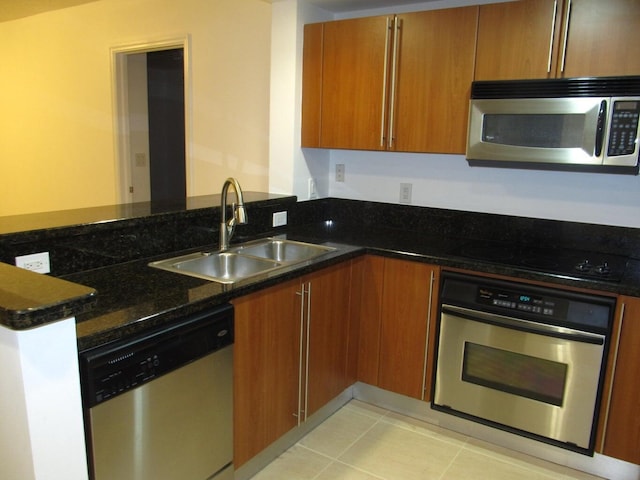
(584, 266)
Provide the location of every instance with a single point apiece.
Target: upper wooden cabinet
(620, 422)
(434, 71)
(516, 40)
(396, 83)
(558, 38)
(353, 83)
(603, 38)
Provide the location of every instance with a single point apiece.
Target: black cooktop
(557, 261)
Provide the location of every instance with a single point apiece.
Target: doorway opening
(152, 131)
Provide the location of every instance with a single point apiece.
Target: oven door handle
(525, 325)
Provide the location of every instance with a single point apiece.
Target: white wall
(289, 167)
(57, 139)
(444, 181)
(41, 432)
(447, 181)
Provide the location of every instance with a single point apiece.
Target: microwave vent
(557, 88)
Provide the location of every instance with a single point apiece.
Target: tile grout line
(336, 459)
(453, 460)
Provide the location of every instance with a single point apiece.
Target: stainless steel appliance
(523, 358)
(160, 406)
(588, 124)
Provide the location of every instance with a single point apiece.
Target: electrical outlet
(339, 172)
(36, 262)
(279, 219)
(313, 192)
(405, 193)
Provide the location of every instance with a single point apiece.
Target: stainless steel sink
(283, 250)
(243, 261)
(223, 267)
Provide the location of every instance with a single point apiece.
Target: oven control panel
(531, 302)
(523, 301)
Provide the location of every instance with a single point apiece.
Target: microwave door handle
(602, 115)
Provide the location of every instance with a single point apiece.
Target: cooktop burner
(571, 263)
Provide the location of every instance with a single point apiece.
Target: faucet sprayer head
(241, 215)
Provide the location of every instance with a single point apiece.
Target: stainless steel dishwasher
(159, 406)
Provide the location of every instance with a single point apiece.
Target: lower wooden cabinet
(620, 420)
(290, 356)
(299, 344)
(266, 368)
(396, 331)
(328, 296)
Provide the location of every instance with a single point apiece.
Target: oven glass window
(534, 130)
(531, 377)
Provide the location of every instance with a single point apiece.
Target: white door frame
(120, 94)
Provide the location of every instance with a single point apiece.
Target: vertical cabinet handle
(306, 374)
(302, 293)
(394, 71)
(426, 346)
(384, 82)
(553, 31)
(613, 376)
(303, 360)
(566, 36)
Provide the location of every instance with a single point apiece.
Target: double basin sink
(243, 261)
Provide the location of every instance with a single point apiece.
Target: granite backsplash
(148, 230)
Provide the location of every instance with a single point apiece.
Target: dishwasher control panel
(113, 369)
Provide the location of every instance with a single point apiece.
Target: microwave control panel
(624, 128)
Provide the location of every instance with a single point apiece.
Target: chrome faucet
(238, 212)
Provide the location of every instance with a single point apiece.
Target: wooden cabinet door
(371, 271)
(354, 72)
(312, 85)
(563, 38)
(434, 72)
(328, 334)
(266, 368)
(622, 433)
(518, 40)
(404, 327)
(602, 38)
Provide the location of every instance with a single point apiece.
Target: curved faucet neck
(238, 214)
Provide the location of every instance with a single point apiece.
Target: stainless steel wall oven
(523, 358)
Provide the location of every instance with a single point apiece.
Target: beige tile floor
(364, 442)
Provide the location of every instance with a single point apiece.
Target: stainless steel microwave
(586, 124)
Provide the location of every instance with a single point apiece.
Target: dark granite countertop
(29, 299)
(133, 297)
(136, 297)
(444, 251)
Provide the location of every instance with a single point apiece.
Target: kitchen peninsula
(115, 294)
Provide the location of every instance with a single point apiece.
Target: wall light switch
(36, 262)
(280, 219)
